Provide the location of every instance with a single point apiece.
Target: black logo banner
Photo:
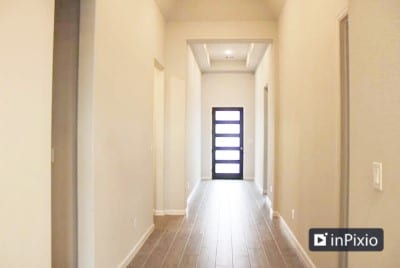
(345, 239)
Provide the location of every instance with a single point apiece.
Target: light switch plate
(377, 175)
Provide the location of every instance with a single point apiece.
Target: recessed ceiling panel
(228, 51)
(225, 56)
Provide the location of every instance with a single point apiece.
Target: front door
(227, 143)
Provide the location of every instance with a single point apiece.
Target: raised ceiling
(226, 56)
(200, 10)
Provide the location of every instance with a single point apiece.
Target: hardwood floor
(227, 225)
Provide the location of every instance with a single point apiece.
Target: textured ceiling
(194, 10)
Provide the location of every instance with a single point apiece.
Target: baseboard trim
(259, 188)
(175, 212)
(158, 212)
(170, 212)
(303, 254)
(137, 247)
(209, 179)
(269, 203)
(192, 192)
(272, 213)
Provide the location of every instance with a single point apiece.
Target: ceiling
(195, 10)
(228, 56)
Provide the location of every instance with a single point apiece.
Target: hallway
(118, 118)
(227, 225)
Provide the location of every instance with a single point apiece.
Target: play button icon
(319, 240)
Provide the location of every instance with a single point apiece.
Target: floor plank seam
(274, 238)
(272, 234)
(189, 236)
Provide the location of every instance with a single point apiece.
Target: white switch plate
(377, 175)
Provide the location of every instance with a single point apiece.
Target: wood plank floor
(227, 225)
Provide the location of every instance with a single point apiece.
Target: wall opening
(64, 134)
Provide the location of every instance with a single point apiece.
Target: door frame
(228, 176)
(343, 25)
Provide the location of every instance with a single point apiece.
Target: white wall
(85, 157)
(193, 124)
(265, 126)
(116, 172)
(374, 33)
(227, 90)
(177, 35)
(26, 53)
(309, 136)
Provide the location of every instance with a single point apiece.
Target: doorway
(64, 210)
(227, 143)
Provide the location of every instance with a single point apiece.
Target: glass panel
(227, 128)
(227, 115)
(227, 168)
(227, 142)
(227, 155)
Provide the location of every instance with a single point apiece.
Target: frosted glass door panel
(227, 168)
(227, 141)
(227, 115)
(227, 155)
(227, 128)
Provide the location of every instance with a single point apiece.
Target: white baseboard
(177, 212)
(192, 192)
(259, 188)
(303, 254)
(269, 203)
(209, 179)
(158, 212)
(172, 212)
(273, 213)
(137, 247)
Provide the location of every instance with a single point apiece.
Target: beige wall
(375, 123)
(25, 116)
(265, 125)
(227, 90)
(177, 35)
(117, 97)
(175, 185)
(193, 123)
(309, 94)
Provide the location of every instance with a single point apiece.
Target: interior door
(227, 143)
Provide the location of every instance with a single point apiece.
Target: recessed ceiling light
(228, 52)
